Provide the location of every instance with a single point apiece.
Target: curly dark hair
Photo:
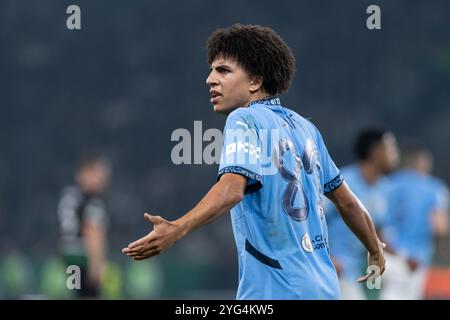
(259, 50)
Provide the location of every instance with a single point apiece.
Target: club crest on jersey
(306, 243)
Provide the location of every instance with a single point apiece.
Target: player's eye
(223, 70)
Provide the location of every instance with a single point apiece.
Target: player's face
(230, 86)
(94, 177)
(425, 162)
(388, 155)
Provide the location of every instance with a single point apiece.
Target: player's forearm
(94, 241)
(96, 255)
(356, 217)
(223, 196)
(440, 245)
(359, 221)
(440, 225)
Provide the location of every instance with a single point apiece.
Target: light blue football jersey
(279, 227)
(345, 247)
(413, 198)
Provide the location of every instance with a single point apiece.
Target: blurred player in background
(277, 215)
(418, 215)
(82, 219)
(377, 155)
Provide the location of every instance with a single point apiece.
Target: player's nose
(211, 80)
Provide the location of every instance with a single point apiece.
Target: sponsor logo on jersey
(306, 243)
(316, 243)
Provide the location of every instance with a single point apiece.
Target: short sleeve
(95, 212)
(331, 176)
(241, 150)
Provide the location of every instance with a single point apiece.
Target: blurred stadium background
(136, 72)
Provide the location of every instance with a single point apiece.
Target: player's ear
(255, 83)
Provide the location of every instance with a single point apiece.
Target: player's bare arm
(440, 227)
(224, 195)
(358, 220)
(94, 241)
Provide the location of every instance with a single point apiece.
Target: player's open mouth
(215, 97)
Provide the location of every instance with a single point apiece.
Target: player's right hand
(163, 236)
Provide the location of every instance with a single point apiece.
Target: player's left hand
(163, 236)
(377, 262)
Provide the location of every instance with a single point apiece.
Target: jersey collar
(273, 101)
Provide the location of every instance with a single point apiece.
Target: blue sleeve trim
(252, 187)
(333, 184)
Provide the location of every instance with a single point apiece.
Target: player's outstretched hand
(376, 264)
(163, 236)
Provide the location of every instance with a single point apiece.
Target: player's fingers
(142, 241)
(134, 249)
(133, 254)
(137, 258)
(153, 219)
(365, 277)
(137, 243)
(147, 255)
(142, 250)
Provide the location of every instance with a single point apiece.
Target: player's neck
(369, 172)
(418, 169)
(259, 95)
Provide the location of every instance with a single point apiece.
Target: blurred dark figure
(83, 219)
(418, 216)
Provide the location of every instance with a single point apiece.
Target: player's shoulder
(405, 179)
(401, 174)
(96, 203)
(71, 191)
(242, 113)
(437, 185)
(384, 185)
(238, 112)
(350, 170)
(70, 196)
(305, 123)
(250, 117)
(401, 179)
(300, 118)
(438, 182)
(309, 125)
